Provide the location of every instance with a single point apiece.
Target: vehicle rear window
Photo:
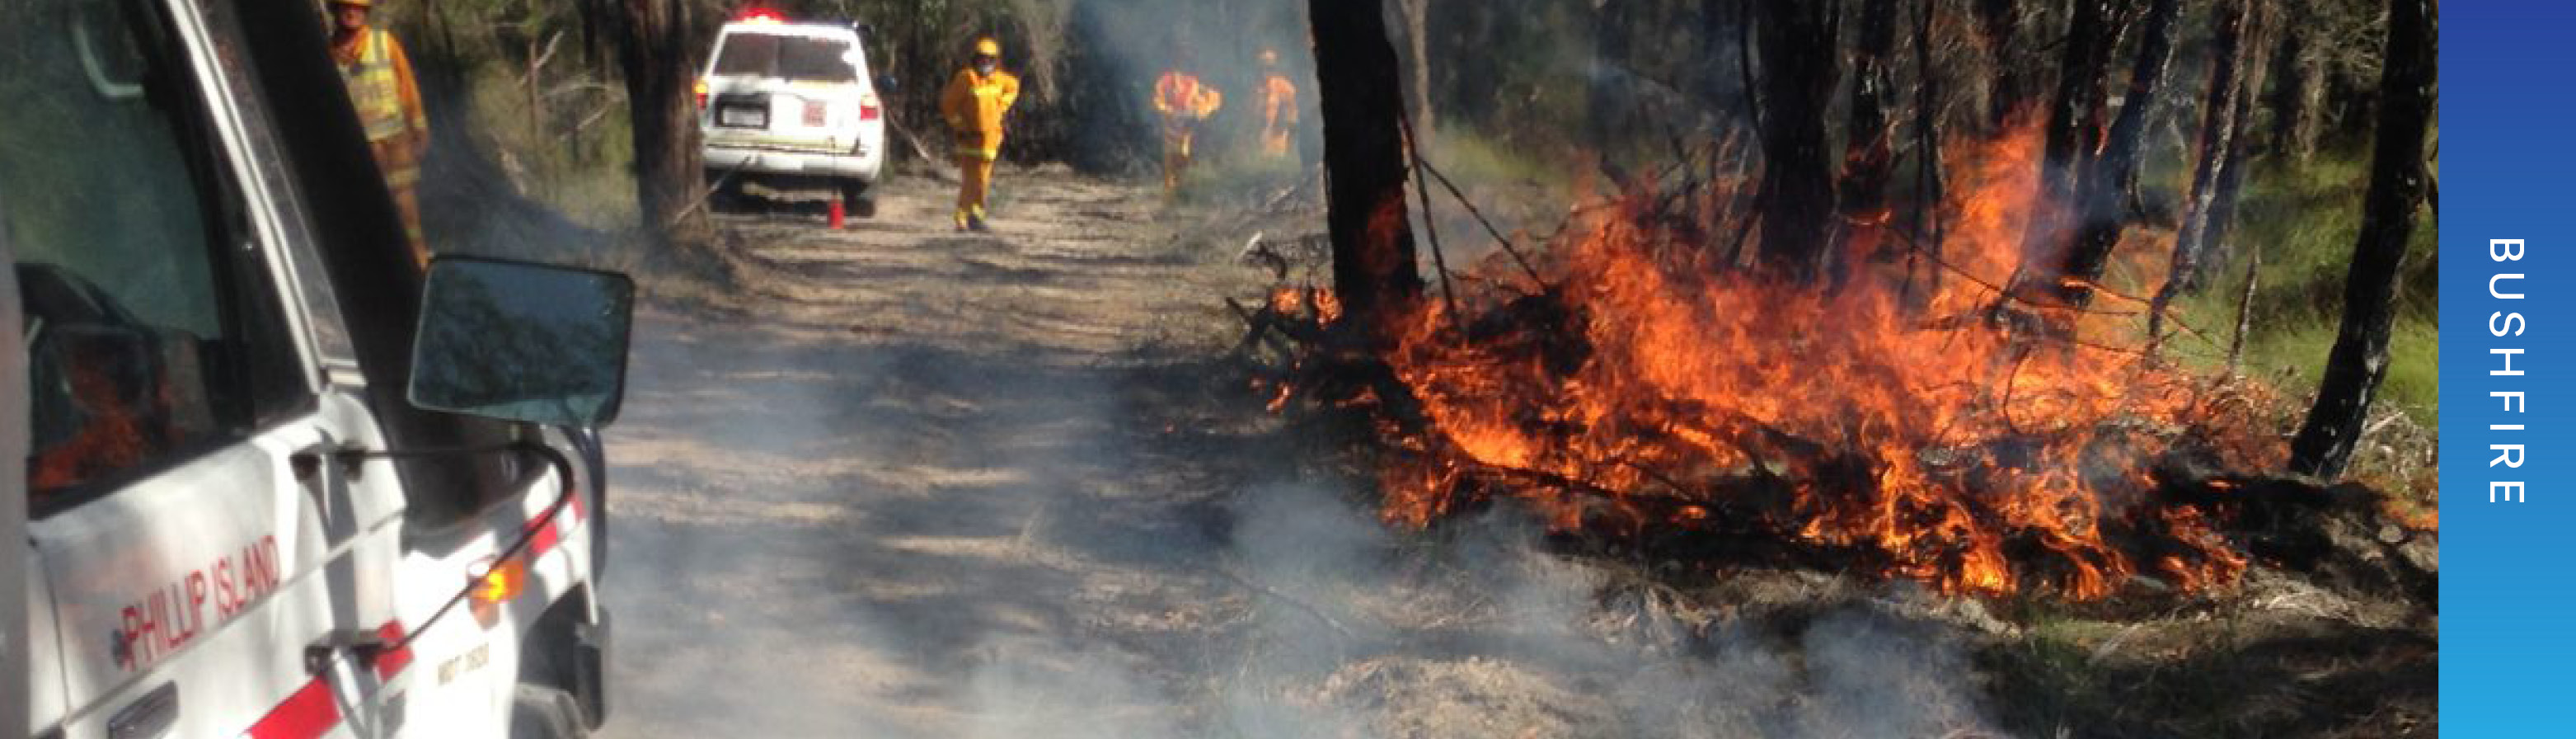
(786, 57)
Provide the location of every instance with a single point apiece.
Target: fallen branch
(1286, 599)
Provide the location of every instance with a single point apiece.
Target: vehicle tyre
(724, 194)
(541, 712)
(854, 195)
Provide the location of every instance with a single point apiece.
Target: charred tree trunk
(1364, 161)
(1869, 157)
(1797, 40)
(2397, 180)
(2220, 155)
(653, 43)
(1927, 153)
(2110, 172)
(1997, 21)
(2075, 111)
(2073, 130)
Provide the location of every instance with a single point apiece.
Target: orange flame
(1966, 453)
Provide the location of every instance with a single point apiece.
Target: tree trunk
(1364, 161)
(653, 39)
(2075, 112)
(1417, 65)
(2220, 155)
(2293, 101)
(1927, 156)
(1797, 80)
(1997, 20)
(2214, 247)
(1868, 157)
(2109, 173)
(2397, 180)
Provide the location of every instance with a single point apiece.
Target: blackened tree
(2397, 185)
(1356, 74)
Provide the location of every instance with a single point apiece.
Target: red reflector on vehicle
(309, 713)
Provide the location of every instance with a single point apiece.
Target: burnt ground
(901, 482)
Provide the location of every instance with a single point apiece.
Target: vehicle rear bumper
(750, 160)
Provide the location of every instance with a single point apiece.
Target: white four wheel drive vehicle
(274, 483)
(791, 106)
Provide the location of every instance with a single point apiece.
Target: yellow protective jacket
(387, 100)
(974, 105)
(1179, 95)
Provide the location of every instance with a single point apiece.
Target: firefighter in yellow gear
(387, 100)
(1184, 102)
(1278, 107)
(975, 104)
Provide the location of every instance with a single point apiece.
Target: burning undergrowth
(1909, 421)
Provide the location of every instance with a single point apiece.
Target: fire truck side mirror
(522, 342)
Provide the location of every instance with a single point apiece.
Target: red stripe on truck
(308, 713)
(392, 662)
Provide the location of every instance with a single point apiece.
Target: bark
(2397, 181)
(1797, 81)
(2220, 155)
(1417, 65)
(1997, 21)
(2111, 170)
(2293, 100)
(652, 40)
(1927, 152)
(1869, 157)
(2215, 247)
(2075, 111)
(1364, 161)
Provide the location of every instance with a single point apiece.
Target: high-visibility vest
(374, 87)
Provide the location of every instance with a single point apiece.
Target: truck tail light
(500, 582)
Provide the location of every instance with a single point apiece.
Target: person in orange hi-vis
(1278, 107)
(387, 100)
(1184, 102)
(975, 104)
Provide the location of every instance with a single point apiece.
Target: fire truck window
(748, 54)
(817, 60)
(142, 344)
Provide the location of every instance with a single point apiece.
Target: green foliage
(2304, 220)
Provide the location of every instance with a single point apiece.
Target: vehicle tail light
(500, 582)
(701, 89)
(763, 16)
(868, 108)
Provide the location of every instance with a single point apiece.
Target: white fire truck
(276, 484)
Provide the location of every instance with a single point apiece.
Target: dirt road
(913, 483)
(907, 458)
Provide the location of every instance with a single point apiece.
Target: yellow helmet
(986, 46)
